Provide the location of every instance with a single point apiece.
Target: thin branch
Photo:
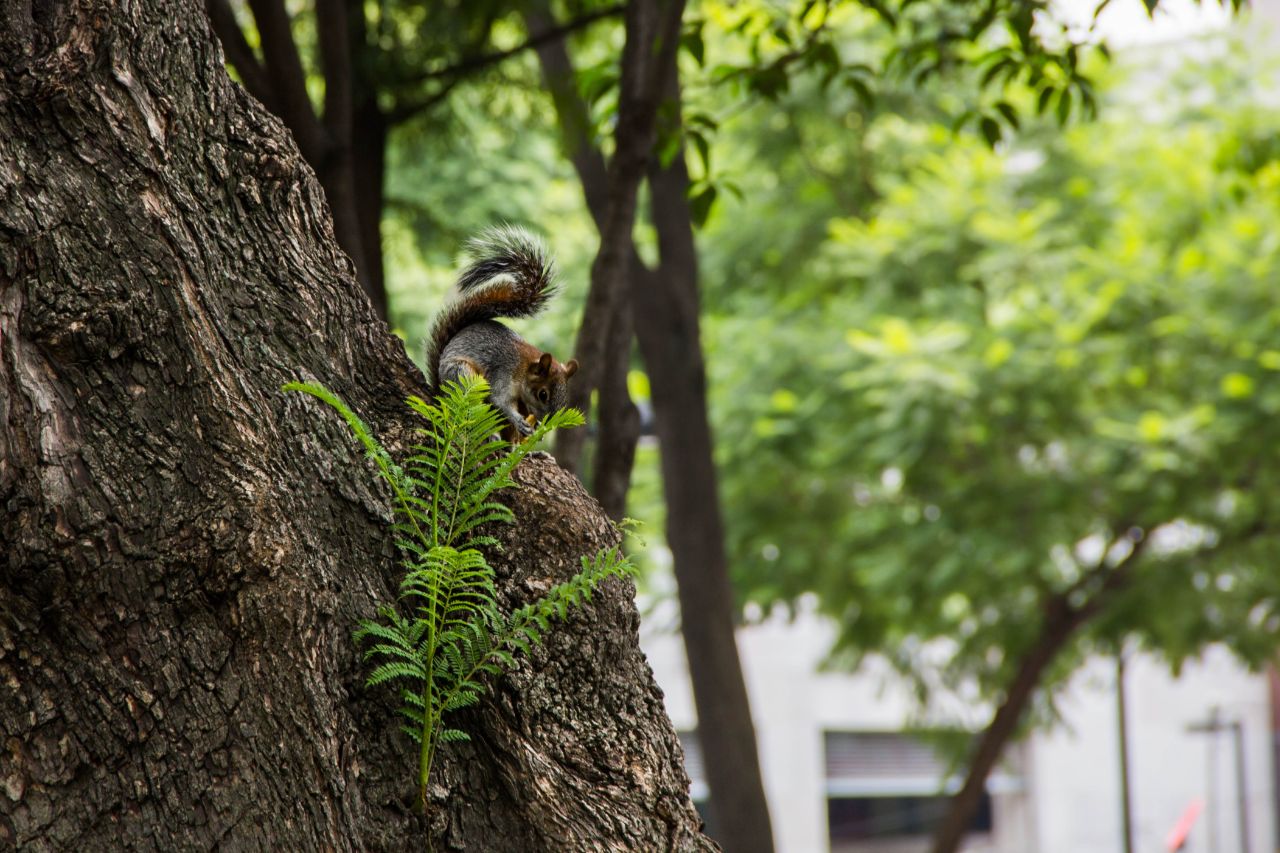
(544, 36)
(239, 53)
(1114, 578)
(406, 110)
(1100, 568)
(453, 74)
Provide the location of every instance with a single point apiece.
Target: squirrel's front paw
(523, 427)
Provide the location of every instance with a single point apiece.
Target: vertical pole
(1242, 794)
(1122, 727)
(1211, 811)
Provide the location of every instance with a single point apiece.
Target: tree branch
(1062, 621)
(543, 36)
(333, 36)
(653, 36)
(664, 305)
(1113, 577)
(618, 417)
(406, 110)
(238, 52)
(574, 119)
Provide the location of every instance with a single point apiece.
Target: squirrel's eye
(543, 395)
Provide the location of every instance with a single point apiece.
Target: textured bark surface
(184, 551)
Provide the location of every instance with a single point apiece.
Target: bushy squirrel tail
(509, 274)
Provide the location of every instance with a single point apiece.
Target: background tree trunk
(667, 326)
(604, 338)
(184, 550)
(1061, 622)
(666, 321)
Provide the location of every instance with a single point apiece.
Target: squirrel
(509, 275)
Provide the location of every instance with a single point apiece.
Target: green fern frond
(393, 651)
(448, 635)
(453, 736)
(412, 714)
(393, 670)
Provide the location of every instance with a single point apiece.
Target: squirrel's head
(547, 388)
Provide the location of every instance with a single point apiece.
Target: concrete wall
(1069, 800)
(1074, 780)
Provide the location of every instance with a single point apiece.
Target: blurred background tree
(1023, 409)
(977, 378)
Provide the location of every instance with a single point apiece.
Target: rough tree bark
(666, 309)
(327, 141)
(184, 550)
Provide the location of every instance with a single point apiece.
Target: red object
(1178, 835)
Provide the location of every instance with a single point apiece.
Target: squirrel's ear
(543, 367)
(570, 367)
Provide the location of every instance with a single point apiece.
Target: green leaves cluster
(447, 632)
(988, 383)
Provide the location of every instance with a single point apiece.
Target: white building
(842, 776)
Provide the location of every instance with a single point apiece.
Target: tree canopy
(1015, 362)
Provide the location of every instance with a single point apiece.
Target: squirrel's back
(509, 275)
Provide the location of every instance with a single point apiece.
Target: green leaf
(1010, 114)
(700, 204)
(691, 41)
(990, 130)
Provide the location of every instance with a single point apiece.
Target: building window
(888, 791)
(863, 823)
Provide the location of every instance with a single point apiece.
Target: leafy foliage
(1005, 370)
(447, 632)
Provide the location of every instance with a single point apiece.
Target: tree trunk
(667, 326)
(619, 420)
(991, 743)
(665, 302)
(1062, 620)
(337, 145)
(184, 550)
(369, 148)
(648, 59)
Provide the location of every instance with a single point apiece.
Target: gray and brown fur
(509, 275)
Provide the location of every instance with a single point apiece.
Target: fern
(446, 633)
